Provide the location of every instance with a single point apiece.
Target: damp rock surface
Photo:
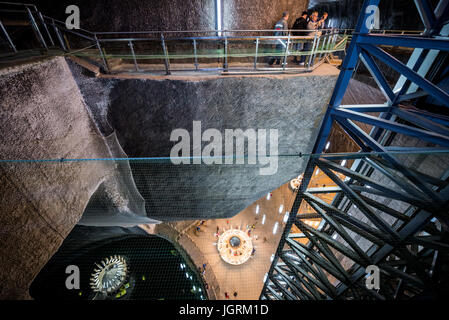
(145, 112)
(42, 116)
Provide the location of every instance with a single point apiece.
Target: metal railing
(192, 50)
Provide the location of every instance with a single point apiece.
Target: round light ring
(235, 246)
(109, 275)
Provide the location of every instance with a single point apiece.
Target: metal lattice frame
(405, 236)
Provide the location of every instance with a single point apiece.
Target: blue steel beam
(367, 107)
(432, 137)
(425, 84)
(420, 121)
(376, 146)
(443, 120)
(363, 46)
(378, 76)
(404, 41)
(427, 15)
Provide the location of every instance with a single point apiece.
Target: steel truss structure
(385, 212)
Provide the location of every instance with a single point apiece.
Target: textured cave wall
(260, 14)
(42, 116)
(145, 112)
(141, 15)
(394, 15)
(136, 15)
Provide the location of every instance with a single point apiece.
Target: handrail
(323, 42)
(243, 30)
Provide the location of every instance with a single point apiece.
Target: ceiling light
(281, 208)
(275, 228)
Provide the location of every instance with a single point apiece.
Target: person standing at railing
(281, 45)
(313, 25)
(300, 24)
(324, 23)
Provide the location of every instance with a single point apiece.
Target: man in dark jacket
(280, 28)
(313, 25)
(300, 24)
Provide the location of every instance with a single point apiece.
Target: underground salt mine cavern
(224, 150)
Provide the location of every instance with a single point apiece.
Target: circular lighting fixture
(235, 246)
(234, 242)
(109, 275)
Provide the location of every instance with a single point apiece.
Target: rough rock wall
(394, 15)
(42, 116)
(136, 15)
(141, 15)
(145, 112)
(260, 14)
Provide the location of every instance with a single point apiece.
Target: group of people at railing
(311, 22)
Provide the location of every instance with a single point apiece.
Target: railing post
(286, 52)
(325, 43)
(226, 54)
(103, 58)
(317, 47)
(336, 34)
(36, 28)
(167, 60)
(313, 50)
(7, 37)
(130, 44)
(196, 55)
(257, 51)
(45, 26)
(58, 34)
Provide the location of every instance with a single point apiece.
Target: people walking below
(300, 24)
(235, 294)
(313, 26)
(281, 45)
(226, 295)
